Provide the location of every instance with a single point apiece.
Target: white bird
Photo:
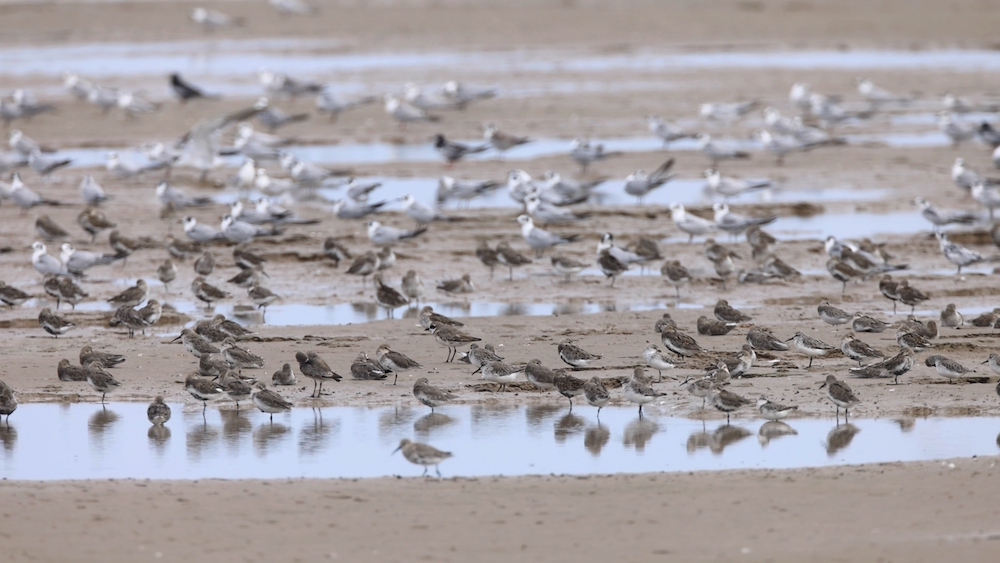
(292, 7)
(419, 212)
(133, 104)
(45, 165)
(539, 239)
(77, 261)
(463, 190)
(965, 177)
(799, 96)
(640, 182)
(92, 192)
(690, 224)
(348, 208)
(665, 130)
(404, 112)
(547, 213)
(272, 186)
(732, 187)
(415, 97)
(715, 152)
(213, 19)
(24, 197)
(501, 141)
(200, 233)
(988, 198)
(721, 111)
(562, 191)
(585, 153)
(957, 131)
(176, 197)
(22, 143)
(44, 262)
(329, 102)
(826, 110)
(463, 95)
(736, 224)
(241, 231)
(942, 217)
(876, 95)
(957, 254)
(607, 244)
(383, 235)
(283, 85)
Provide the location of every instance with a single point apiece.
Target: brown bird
(510, 258)
(313, 367)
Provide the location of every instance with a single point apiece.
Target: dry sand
(912, 512)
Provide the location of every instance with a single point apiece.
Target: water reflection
(83, 441)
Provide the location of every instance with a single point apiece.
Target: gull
(732, 187)
(284, 85)
(778, 123)
(463, 95)
(103, 98)
(310, 175)
(876, 95)
(245, 131)
(501, 141)
(246, 175)
(714, 152)
(133, 104)
(584, 153)
(419, 212)
(44, 262)
(211, 20)
(45, 165)
(404, 112)
(607, 243)
(185, 90)
(965, 177)
(463, 190)
(539, 239)
(988, 135)
(826, 110)
(942, 217)
(957, 131)
(10, 161)
(779, 146)
(383, 235)
(200, 233)
(23, 143)
(92, 192)
(562, 191)
(126, 169)
(690, 224)
(359, 190)
(957, 254)
(241, 231)
(292, 7)
(24, 197)
(640, 182)
(347, 208)
(329, 102)
(199, 148)
(666, 130)
(988, 198)
(519, 183)
(76, 261)
(722, 111)
(272, 117)
(415, 96)
(275, 214)
(453, 151)
(169, 195)
(547, 213)
(254, 148)
(271, 186)
(736, 224)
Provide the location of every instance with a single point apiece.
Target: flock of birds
(544, 202)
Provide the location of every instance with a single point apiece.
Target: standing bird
(430, 395)
(453, 151)
(638, 389)
(676, 274)
(166, 273)
(158, 412)
(8, 401)
(727, 401)
(387, 296)
(957, 254)
(269, 401)
(640, 182)
(810, 346)
(575, 356)
(539, 239)
(186, 91)
(451, 338)
(509, 257)
(568, 386)
(313, 367)
(596, 394)
(100, 380)
(395, 362)
(501, 141)
(840, 394)
(207, 292)
(422, 454)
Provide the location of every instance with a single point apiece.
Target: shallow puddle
(47, 441)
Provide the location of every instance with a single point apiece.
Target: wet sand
(845, 513)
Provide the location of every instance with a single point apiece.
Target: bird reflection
(536, 415)
(906, 424)
(486, 416)
(725, 436)
(8, 436)
(390, 420)
(158, 435)
(369, 310)
(234, 427)
(312, 437)
(840, 437)
(998, 435)
(567, 309)
(698, 440)
(568, 425)
(431, 421)
(200, 436)
(638, 432)
(99, 424)
(773, 429)
(513, 310)
(265, 435)
(411, 313)
(596, 438)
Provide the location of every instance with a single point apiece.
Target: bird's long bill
(790, 339)
(822, 386)
(986, 362)
(396, 450)
(683, 382)
(176, 339)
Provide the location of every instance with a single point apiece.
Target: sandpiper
(488, 256)
(610, 266)
(773, 411)
(889, 288)
(130, 318)
(230, 328)
(912, 340)
(638, 389)
(269, 401)
(810, 346)
(12, 296)
(566, 266)
(315, 368)
(54, 324)
(840, 394)
(451, 338)
(364, 266)
(596, 394)
(510, 258)
(539, 375)
(210, 331)
(334, 250)
(8, 401)
(762, 339)
(284, 376)
(388, 297)
(210, 366)
(235, 387)
(501, 373)
(68, 372)
(238, 358)
(676, 274)
(910, 295)
(395, 362)
(431, 396)
(863, 323)
(479, 356)
(88, 355)
(151, 313)
(207, 292)
(727, 401)
(100, 380)
(857, 350)
(832, 315)
(899, 364)
(842, 272)
(195, 343)
(680, 343)
(261, 297)
(422, 454)
(725, 313)
(412, 286)
(456, 286)
(203, 389)
(158, 412)
(575, 356)
(987, 319)
(712, 327)
(428, 317)
(568, 386)
(950, 317)
(740, 362)
(950, 369)
(994, 363)
(365, 369)
(699, 387)
(666, 322)
(658, 360)
(204, 265)
(928, 330)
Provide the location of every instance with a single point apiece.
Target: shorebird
(699, 387)
(456, 286)
(100, 380)
(726, 313)
(575, 356)
(638, 389)
(422, 454)
(761, 339)
(840, 395)
(727, 401)
(864, 323)
(284, 376)
(315, 368)
(207, 292)
(478, 357)
(395, 362)
(610, 266)
(910, 295)
(810, 346)
(950, 317)
(451, 338)
(539, 375)
(230, 328)
(94, 222)
(453, 151)
(428, 317)
(132, 296)
(431, 396)
(773, 411)
(49, 229)
(12, 296)
(88, 355)
(596, 394)
(566, 266)
(658, 360)
(509, 257)
(8, 401)
(950, 369)
(857, 350)
(994, 363)
(568, 386)
(52, 323)
(676, 274)
(238, 358)
(158, 412)
(712, 327)
(269, 401)
(365, 369)
(236, 388)
(680, 343)
(500, 373)
(196, 344)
